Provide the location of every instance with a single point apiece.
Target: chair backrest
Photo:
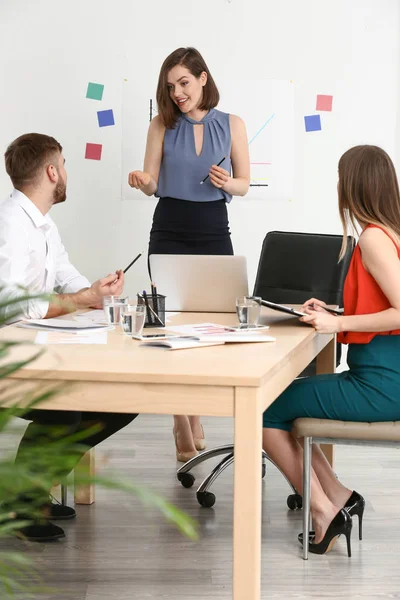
(294, 267)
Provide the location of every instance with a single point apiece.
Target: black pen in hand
(333, 311)
(130, 264)
(133, 262)
(220, 163)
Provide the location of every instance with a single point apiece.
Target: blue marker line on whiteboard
(260, 130)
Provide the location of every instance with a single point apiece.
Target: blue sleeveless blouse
(182, 170)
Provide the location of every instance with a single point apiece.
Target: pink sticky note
(93, 151)
(324, 102)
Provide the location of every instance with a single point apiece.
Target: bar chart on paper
(267, 108)
(257, 168)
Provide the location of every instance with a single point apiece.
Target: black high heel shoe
(341, 524)
(355, 505)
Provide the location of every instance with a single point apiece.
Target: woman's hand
(218, 176)
(322, 321)
(312, 305)
(139, 179)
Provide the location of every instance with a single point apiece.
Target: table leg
(247, 495)
(84, 494)
(326, 363)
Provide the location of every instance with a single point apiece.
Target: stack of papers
(65, 325)
(221, 333)
(179, 343)
(68, 331)
(206, 334)
(96, 316)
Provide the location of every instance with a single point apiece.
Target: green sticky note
(95, 91)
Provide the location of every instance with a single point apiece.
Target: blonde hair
(368, 192)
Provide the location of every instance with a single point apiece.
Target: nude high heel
(200, 443)
(183, 456)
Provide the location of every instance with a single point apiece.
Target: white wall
(50, 50)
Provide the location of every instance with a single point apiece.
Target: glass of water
(248, 311)
(112, 308)
(132, 319)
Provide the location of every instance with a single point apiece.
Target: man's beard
(60, 192)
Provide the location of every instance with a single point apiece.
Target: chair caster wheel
(263, 470)
(186, 479)
(294, 502)
(206, 499)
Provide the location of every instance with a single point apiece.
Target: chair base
(206, 498)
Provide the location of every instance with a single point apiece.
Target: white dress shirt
(33, 256)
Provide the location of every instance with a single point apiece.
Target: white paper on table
(180, 343)
(97, 316)
(57, 337)
(199, 329)
(221, 333)
(65, 325)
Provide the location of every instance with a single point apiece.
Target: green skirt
(369, 391)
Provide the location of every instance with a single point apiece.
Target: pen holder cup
(155, 308)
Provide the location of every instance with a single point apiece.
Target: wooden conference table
(235, 380)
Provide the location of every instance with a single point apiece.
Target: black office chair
(293, 267)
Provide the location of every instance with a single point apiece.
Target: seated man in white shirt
(33, 256)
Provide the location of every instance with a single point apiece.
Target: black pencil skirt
(185, 227)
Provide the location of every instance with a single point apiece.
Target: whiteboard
(135, 120)
(267, 111)
(267, 108)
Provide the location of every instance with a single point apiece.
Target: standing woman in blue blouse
(185, 143)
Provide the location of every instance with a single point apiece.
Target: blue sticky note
(105, 117)
(313, 123)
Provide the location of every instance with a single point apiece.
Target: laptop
(198, 283)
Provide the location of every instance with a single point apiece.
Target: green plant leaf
(45, 463)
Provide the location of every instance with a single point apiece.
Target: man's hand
(112, 285)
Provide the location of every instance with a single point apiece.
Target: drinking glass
(132, 319)
(248, 311)
(112, 308)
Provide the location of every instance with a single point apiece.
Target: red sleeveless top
(363, 296)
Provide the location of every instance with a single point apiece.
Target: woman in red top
(369, 391)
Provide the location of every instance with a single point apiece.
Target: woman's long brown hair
(191, 59)
(368, 191)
